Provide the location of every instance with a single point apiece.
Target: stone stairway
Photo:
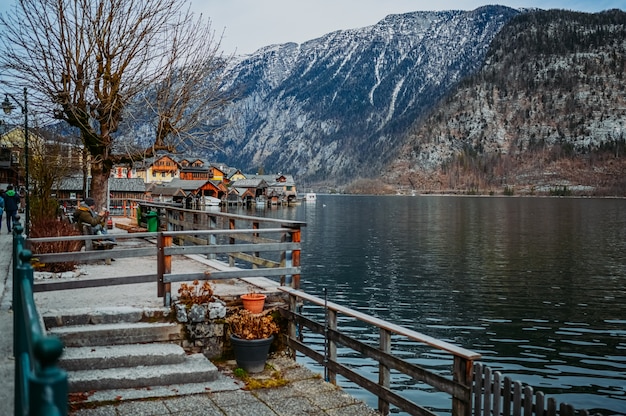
(129, 353)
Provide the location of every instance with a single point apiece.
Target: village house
(194, 169)
(164, 177)
(161, 168)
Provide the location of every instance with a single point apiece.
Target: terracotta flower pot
(253, 302)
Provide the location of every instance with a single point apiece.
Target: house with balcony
(161, 168)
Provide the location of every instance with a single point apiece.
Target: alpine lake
(536, 285)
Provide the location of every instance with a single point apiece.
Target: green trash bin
(152, 221)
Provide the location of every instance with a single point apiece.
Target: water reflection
(536, 285)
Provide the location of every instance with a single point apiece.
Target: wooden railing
(495, 394)
(265, 248)
(41, 387)
(459, 387)
(474, 388)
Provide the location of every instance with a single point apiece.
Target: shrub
(54, 228)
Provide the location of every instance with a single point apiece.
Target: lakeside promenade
(304, 394)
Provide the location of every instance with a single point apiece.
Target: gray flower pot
(251, 354)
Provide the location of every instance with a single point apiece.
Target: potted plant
(254, 302)
(251, 336)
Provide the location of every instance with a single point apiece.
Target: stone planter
(251, 354)
(254, 302)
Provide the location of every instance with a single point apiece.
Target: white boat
(210, 201)
(310, 197)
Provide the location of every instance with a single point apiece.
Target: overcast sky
(251, 24)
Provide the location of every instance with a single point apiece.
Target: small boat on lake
(210, 201)
(310, 197)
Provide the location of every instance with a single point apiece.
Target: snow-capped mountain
(337, 106)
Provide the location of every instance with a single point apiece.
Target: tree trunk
(99, 185)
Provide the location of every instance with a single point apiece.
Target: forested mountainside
(336, 108)
(546, 112)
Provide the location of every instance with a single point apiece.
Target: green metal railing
(40, 385)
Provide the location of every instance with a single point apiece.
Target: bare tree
(88, 60)
(52, 159)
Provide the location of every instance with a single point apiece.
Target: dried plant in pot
(251, 336)
(194, 293)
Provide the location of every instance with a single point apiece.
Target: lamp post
(7, 107)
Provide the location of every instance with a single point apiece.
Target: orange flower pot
(254, 302)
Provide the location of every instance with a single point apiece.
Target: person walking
(1, 207)
(11, 204)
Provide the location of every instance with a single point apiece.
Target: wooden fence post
(212, 238)
(231, 240)
(292, 331)
(296, 235)
(384, 374)
(332, 345)
(164, 266)
(462, 373)
(255, 226)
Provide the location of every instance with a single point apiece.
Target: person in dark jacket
(86, 214)
(1, 206)
(11, 204)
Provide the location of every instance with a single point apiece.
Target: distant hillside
(546, 112)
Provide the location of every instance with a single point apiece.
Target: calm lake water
(536, 285)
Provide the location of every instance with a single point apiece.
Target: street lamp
(7, 107)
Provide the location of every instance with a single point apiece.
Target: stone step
(194, 369)
(221, 384)
(115, 356)
(102, 315)
(117, 334)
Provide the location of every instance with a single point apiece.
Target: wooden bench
(97, 244)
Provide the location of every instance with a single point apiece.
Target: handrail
(236, 246)
(459, 387)
(41, 387)
(397, 329)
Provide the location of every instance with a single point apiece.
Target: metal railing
(41, 387)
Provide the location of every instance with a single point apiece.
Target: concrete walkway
(304, 394)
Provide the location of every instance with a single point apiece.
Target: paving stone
(98, 411)
(290, 406)
(143, 408)
(200, 405)
(239, 403)
(332, 399)
(234, 398)
(354, 410)
(252, 409)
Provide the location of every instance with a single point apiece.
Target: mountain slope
(336, 107)
(547, 109)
